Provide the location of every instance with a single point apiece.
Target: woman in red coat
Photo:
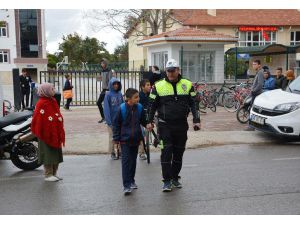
(48, 126)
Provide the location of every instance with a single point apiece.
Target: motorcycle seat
(14, 118)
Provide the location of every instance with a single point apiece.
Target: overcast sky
(61, 22)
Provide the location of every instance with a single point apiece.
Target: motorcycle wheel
(242, 115)
(25, 156)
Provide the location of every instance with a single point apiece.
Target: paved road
(238, 179)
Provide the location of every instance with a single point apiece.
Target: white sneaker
(58, 177)
(51, 179)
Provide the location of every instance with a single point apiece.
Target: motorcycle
(243, 112)
(17, 143)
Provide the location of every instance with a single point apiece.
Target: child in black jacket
(128, 133)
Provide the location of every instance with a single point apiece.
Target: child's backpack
(123, 110)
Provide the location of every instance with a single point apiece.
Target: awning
(274, 49)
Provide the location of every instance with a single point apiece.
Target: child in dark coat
(145, 87)
(128, 133)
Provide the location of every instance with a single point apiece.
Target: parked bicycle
(204, 97)
(233, 101)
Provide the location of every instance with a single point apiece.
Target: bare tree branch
(137, 22)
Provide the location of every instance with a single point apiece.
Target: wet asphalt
(233, 179)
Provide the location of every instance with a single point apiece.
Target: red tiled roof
(238, 17)
(188, 34)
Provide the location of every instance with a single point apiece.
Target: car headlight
(288, 107)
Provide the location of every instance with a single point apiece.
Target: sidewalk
(84, 135)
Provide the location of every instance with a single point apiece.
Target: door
(198, 66)
(32, 73)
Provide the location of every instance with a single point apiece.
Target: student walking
(106, 75)
(48, 126)
(144, 93)
(112, 101)
(128, 133)
(67, 91)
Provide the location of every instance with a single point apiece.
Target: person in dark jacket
(257, 86)
(269, 83)
(25, 81)
(144, 101)
(144, 92)
(68, 87)
(172, 97)
(279, 78)
(155, 76)
(128, 133)
(112, 101)
(106, 75)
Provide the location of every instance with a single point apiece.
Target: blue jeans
(129, 155)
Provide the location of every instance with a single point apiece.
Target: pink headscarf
(45, 90)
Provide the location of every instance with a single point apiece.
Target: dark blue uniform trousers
(129, 156)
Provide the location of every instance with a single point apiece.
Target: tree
(121, 52)
(79, 50)
(52, 60)
(230, 68)
(124, 20)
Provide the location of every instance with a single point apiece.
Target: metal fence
(87, 85)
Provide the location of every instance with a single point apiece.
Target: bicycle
(221, 93)
(204, 97)
(233, 101)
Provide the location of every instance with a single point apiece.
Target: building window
(4, 56)
(198, 66)
(28, 33)
(295, 37)
(160, 59)
(3, 29)
(257, 38)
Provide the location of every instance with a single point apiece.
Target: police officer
(25, 81)
(173, 98)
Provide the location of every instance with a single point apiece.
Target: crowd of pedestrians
(171, 98)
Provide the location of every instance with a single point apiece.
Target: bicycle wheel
(147, 145)
(212, 107)
(231, 104)
(242, 115)
(223, 96)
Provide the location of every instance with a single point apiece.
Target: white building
(200, 53)
(22, 42)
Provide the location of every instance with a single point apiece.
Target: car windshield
(294, 87)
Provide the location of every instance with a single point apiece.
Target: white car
(278, 111)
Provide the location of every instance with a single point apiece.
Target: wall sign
(257, 28)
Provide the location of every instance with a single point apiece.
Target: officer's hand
(197, 126)
(149, 126)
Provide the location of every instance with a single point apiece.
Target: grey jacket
(106, 76)
(258, 83)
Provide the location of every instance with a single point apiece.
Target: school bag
(123, 110)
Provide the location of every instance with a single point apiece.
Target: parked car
(278, 112)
